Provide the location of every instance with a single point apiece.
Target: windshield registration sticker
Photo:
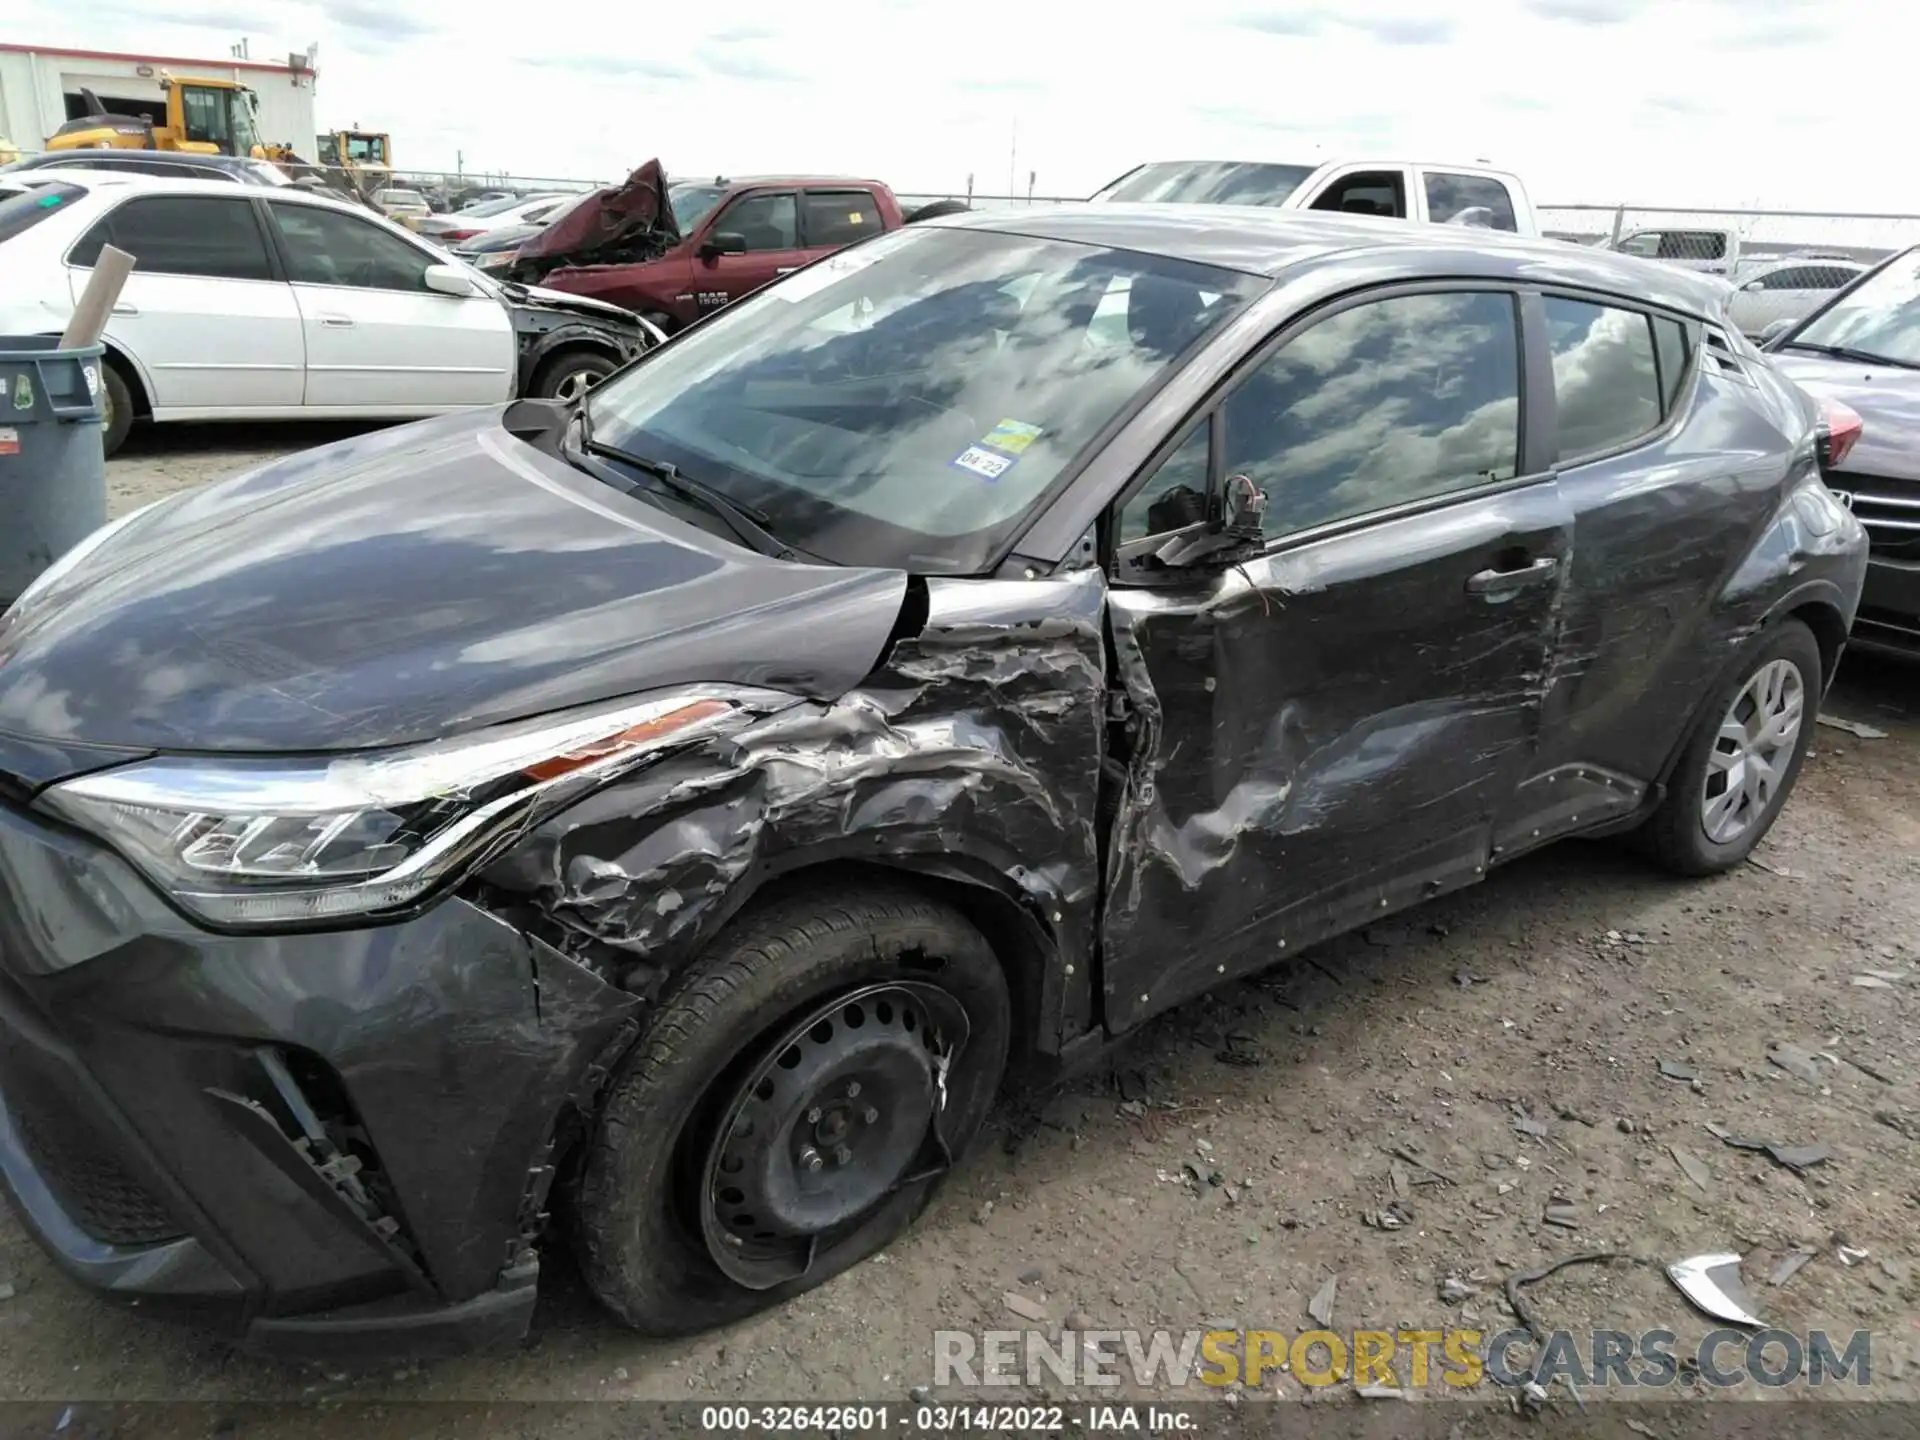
(983, 462)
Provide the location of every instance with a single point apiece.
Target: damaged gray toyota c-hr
(681, 808)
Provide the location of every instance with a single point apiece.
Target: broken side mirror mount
(1226, 539)
(722, 242)
(1774, 331)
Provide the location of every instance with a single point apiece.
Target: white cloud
(1598, 101)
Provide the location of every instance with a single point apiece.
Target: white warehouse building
(40, 90)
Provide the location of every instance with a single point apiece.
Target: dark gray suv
(681, 805)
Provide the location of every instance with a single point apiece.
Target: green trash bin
(53, 470)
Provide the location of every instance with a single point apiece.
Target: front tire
(738, 1161)
(1737, 771)
(571, 374)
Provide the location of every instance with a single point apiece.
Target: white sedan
(257, 304)
(1787, 289)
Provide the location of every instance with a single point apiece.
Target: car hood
(408, 585)
(1886, 397)
(541, 298)
(618, 217)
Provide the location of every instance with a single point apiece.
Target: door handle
(123, 308)
(339, 322)
(1498, 584)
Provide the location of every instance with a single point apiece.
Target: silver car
(1788, 289)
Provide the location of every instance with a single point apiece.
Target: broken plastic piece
(1713, 1284)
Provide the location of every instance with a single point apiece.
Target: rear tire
(117, 420)
(1738, 769)
(649, 1210)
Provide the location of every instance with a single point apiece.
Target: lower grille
(1889, 509)
(82, 1169)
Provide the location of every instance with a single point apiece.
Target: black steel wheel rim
(840, 1113)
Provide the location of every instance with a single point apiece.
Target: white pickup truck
(1445, 194)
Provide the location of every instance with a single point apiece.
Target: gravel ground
(1550, 994)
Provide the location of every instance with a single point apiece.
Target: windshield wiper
(1847, 352)
(747, 523)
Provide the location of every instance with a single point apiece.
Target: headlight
(261, 842)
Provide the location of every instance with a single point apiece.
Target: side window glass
(1478, 198)
(205, 113)
(1799, 278)
(1389, 402)
(840, 217)
(1605, 382)
(325, 247)
(765, 222)
(1374, 192)
(184, 235)
(1176, 496)
(1670, 338)
(1647, 243)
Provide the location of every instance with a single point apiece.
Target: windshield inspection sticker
(1012, 437)
(22, 393)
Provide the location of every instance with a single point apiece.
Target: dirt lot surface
(1239, 1154)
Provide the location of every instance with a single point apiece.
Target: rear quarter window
(1605, 377)
(20, 213)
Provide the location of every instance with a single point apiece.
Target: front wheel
(1738, 769)
(791, 1107)
(571, 374)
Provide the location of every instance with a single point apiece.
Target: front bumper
(335, 1144)
(1889, 614)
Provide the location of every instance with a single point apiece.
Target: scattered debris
(1380, 1392)
(1031, 1277)
(1713, 1284)
(1637, 1428)
(1023, 1307)
(1795, 1061)
(920, 1394)
(1799, 1157)
(1407, 1152)
(1320, 1308)
(7, 1291)
(1064, 1112)
(1790, 1265)
(1527, 1125)
(1850, 1255)
(1400, 1178)
(1241, 1049)
(1771, 869)
(1892, 977)
(1567, 1217)
(1573, 1116)
(984, 1213)
(1893, 1120)
(1691, 1167)
(1859, 729)
(1674, 1070)
(1871, 982)
(1453, 1290)
(1390, 1218)
(1466, 978)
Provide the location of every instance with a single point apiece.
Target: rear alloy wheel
(794, 1103)
(571, 374)
(116, 409)
(1740, 766)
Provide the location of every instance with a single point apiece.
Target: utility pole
(1013, 160)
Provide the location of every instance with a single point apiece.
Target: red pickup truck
(724, 238)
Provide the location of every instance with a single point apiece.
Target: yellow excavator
(207, 117)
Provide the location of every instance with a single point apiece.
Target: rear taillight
(453, 236)
(1840, 427)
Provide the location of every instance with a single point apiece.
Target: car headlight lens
(247, 842)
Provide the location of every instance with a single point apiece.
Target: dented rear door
(1333, 728)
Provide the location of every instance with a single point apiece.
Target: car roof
(159, 159)
(1452, 167)
(1262, 240)
(779, 180)
(116, 183)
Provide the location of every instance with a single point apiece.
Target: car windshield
(1879, 316)
(493, 207)
(1208, 182)
(691, 203)
(907, 402)
(41, 198)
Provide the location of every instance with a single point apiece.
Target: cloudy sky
(1782, 103)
